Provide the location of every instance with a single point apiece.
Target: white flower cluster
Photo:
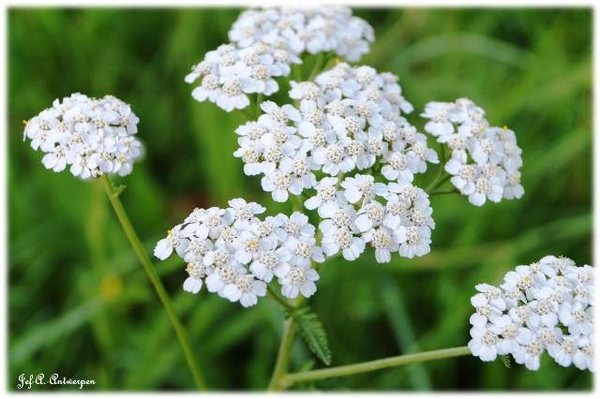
(485, 160)
(264, 45)
(228, 74)
(305, 28)
(237, 254)
(393, 217)
(348, 120)
(93, 136)
(545, 306)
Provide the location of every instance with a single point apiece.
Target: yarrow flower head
(92, 136)
(546, 306)
(347, 121)
(264, 45)
(236, 254)
(228, 74)
(313, 29)
(485, 160)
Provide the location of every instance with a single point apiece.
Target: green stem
(297, 202)
(113, 196)
(271, 293)
(316, 67)
(436, 183)
(283, 357)
(438, 178)
(442, 192)
(291, 379)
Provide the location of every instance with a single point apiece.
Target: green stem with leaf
(113, 196)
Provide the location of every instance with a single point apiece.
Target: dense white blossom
(546, 306)
(235, 254)
(228, 74)
(92, 136)
(485, 161)
(349, 119)
(393, 217)
(264, 45)
(313, 29)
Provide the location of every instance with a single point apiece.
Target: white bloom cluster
(236, 254)
(264, 45)
(348, 120)
(485, 160)
(93, 136)
(392, 217)
(229, 73)
(305, 28)
(545, 306)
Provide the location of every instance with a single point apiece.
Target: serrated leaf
(312, 331)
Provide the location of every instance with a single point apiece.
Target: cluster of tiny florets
(228, 74)
(264, 45)
(485, 160)
(347, 121)
(547, 306)
(236, 254)
(392, 217)
(313, 29)
(93, 136)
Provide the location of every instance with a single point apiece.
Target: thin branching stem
(113, 196)
(396, 361)
(283, 356)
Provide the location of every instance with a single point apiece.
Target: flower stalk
(113, 196)
(283, 356)
(290, 379)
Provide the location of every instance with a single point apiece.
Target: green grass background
(79, 303)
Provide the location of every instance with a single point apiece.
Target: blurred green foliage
(80, 305)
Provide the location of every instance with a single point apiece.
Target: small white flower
(362, 187)
(530, 351)
(193, 283)
(299, 281)
(165, 247)
(326, 198)
(576, 317)
(271, 263)
(369, 216)
(416, 241)
(245, 289)
(483, 343)
(336, 239)
(584, 355)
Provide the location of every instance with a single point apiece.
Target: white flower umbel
(313, 29)
(92, 136)
(235, 254)
(485, 161)
(349, 119)
(228, 74)
(546, 306)
(392, 217)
